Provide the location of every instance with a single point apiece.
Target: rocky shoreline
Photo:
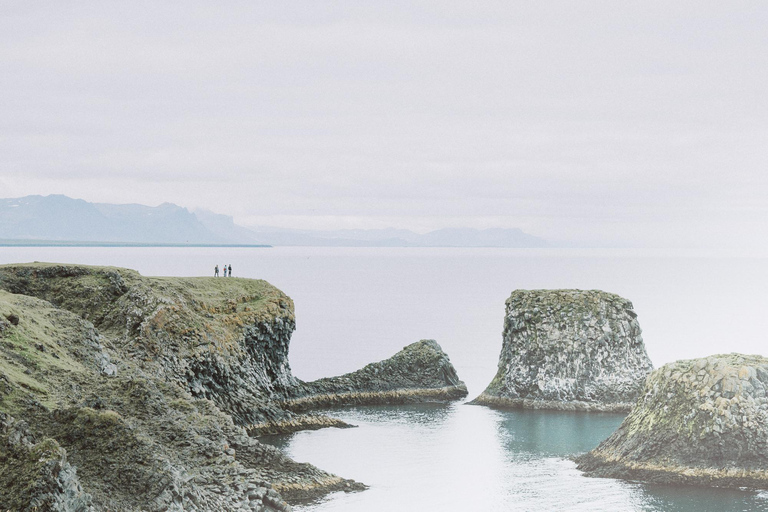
(574, 350)
(142, 392)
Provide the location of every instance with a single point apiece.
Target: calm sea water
(355, 306)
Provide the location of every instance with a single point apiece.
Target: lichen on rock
(143, 383)
(148, 384)
(35, 473)
(421, 372)
(699, 421)
(569, 350)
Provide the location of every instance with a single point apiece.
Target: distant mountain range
(62, 220)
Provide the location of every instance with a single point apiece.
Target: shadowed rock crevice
(569, 350)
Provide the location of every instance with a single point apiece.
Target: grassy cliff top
(94, 292)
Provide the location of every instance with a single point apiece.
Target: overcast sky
(629, 122)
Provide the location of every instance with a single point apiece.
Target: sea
(359, 305)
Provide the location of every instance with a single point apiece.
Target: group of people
(226, 268)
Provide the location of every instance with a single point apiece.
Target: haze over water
(355, 306)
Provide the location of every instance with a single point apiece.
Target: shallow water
(460, 457)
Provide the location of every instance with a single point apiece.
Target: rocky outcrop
(142, 382)
(225, 340)
(421, 372)
(569, 350)
(36, 474)
(146, 385)
(701, 421)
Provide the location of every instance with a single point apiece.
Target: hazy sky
(635, 122)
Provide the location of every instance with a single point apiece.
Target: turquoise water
(358, 305)
(468, 458)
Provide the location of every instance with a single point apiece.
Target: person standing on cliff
(216, 271)
(230, 271)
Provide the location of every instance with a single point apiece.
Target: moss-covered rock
(700, 421)
(141, 383)
(222, 339)
(421, 372)
(35, 473)
(570, 350)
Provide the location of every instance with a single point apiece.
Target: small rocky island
(568, 350)
(700, 421)
(124, 392)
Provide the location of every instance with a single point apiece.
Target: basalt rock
(569, 350)
(145, 386)
(139, 387)
(421, 372)
(35, 473)
(221, 339)
(701, 421)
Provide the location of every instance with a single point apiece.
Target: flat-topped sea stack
(700, 421)
(568, 350)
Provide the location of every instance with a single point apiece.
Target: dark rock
(421, 372)
(36, 474)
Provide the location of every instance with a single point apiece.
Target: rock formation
(701, 421)
(569, 350)
(420, 372)
(137, 391)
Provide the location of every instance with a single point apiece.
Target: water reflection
(458, 457)
(554, 432)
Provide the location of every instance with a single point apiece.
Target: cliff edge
(140, 392)
(700, 421)
(134, 390)
(568, 350)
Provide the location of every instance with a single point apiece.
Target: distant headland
(58, 220)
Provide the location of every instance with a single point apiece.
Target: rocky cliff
(570, 350)
(137, 390)
(221, 339)
(701, 421)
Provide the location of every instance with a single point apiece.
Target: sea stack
(701, 421)
(569, 350)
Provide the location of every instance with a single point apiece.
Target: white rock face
(569, 349)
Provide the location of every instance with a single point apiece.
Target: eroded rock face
(147, 382)
(700, 421)
(418, 373)
(571, 350)
(224, 340)
(35, 474)
(137, 381)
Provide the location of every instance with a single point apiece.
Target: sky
(629, 123)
